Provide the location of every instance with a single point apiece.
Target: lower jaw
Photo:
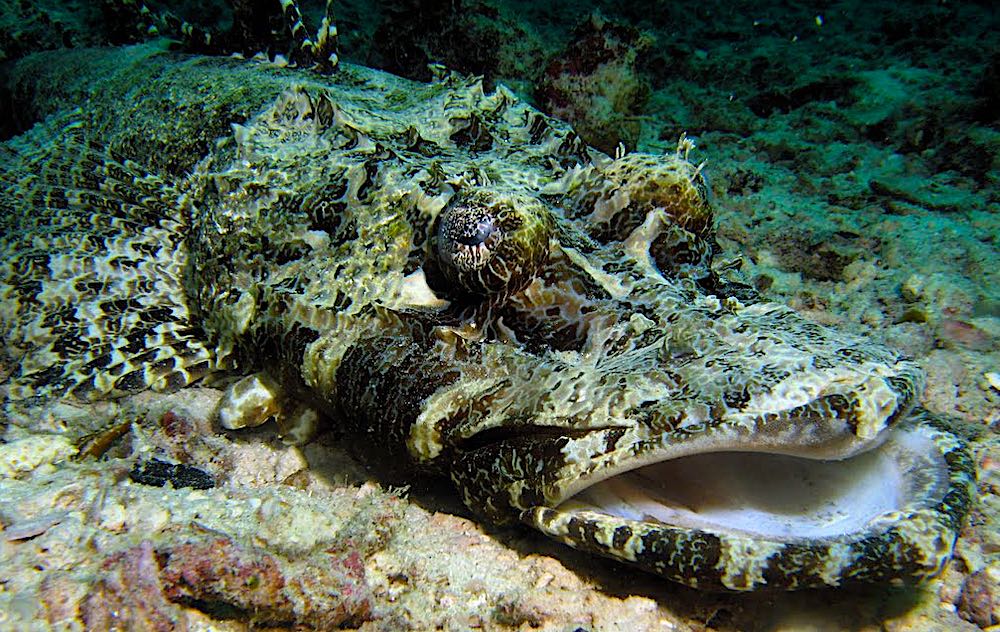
(745, 521)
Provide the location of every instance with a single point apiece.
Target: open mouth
(775, 496)
(731, 520)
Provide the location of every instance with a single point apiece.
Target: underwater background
(852, 151)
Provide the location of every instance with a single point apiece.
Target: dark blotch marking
(621, 537)
(47, 377)
(69, 345)
(737, 399)
(158, 473)
(413, 141)
(471, 134)
(538, 129)
(134, 381)
(611, 439)
(795, 565)
(682, 555)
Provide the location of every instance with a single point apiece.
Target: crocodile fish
(462, 283)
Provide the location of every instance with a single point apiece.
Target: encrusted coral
(147, 586)
(595, 84)
(472, 37)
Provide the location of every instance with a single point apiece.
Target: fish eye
(491, 244)
(474, 231)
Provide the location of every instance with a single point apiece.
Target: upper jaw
(848, 415)
(570, 421)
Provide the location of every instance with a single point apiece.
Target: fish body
(460, 281)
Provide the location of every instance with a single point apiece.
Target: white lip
(776, 497)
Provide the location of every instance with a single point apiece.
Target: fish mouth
(773, 496)
(737, 520)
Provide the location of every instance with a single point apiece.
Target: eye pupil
(480, 233)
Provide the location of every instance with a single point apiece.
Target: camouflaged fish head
(460, 281)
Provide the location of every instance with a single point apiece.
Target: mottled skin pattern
(459, 280)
